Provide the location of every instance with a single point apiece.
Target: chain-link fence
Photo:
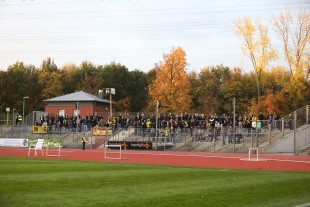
(288, 134)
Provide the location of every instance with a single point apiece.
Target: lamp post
(7, 115)
(25, 97)
(13, 117)
(110, 91)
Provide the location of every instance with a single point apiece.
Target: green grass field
(47, 182)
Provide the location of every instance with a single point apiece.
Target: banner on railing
(39, 129)
(101, 131)
(7, 142)
(138, 145)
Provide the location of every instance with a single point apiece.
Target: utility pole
(77, 124)
(156, 129)
(25, 97)
(234, 123)
(13, 118)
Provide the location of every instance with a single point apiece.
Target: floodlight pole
(7, 115)
(110, 91)
(111, 105)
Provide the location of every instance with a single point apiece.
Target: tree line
(266, 88)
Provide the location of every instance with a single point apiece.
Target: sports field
(41, 181)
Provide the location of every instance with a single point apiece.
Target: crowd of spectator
(166, 121)
(187, 120)
(66, 122)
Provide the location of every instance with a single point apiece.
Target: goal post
(112, 145)
(53, 146)
(251, 150)
(253, 155)
(107, 151)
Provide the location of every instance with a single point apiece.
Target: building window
(61, 112)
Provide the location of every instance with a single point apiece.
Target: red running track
(197, 159)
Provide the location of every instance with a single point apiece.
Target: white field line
(302, 161)
(212, 156)
(183, 155)
(303, 205)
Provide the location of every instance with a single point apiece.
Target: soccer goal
(110, 153)
(253, 155)
(52, 147)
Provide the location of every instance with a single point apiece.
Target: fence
(293, 129)
(289, 134)
(204, 136)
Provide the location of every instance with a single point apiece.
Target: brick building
(87, 104)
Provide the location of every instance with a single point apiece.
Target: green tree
(240, 85)
(137, 91)
(194, 91)
(116, 76)
(211, 79)
(89, 79)
(17, 82)
(50, 79)
(48, 65)
(50, 83)
(70, 82)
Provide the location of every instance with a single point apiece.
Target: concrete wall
(286, 144)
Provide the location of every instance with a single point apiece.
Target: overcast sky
(135, 33)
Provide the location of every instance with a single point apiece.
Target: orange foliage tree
(257, 46)
(275, 100)
(294, 33)
(171, 85)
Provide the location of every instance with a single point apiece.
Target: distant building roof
(77, 96)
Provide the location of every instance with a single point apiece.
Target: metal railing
(294, 127)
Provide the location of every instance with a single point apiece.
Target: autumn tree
(18, 81)
(49, 80)
(239, 85)
(171, 85)
(295, 36)
(68, 72)
(89, 78)
(256, 45)
(2, 92)
(294, 33)
(275, 98)
(48, 65)
(50, 83)
(210, 99)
